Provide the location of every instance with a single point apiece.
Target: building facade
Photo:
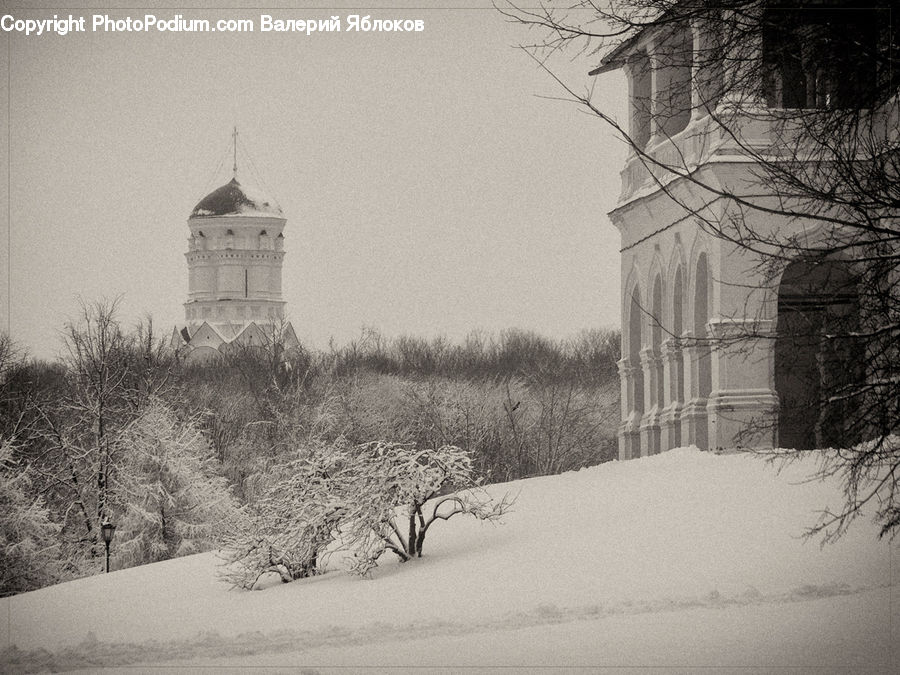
(705, 357)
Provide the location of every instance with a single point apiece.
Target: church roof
(251, 336)
(206, 336)
(234, 199)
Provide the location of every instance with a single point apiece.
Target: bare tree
(801, 100)
(81, 439)
(85, 427)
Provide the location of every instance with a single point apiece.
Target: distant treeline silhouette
(587, 359)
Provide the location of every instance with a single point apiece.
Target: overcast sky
(430, 185)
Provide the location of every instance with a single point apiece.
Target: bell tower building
(234, 257)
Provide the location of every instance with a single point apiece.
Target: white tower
(234, 257)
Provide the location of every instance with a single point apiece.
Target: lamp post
(108, 531)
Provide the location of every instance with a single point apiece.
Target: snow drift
(685, 559)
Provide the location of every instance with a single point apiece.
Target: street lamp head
(108, 530)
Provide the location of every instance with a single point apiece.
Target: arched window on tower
(639, 75)
(673, 61)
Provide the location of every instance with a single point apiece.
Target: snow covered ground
(685, 560)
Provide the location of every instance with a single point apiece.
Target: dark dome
(234, 199)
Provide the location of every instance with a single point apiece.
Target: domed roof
(234, 199)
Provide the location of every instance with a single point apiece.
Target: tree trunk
(412, 542)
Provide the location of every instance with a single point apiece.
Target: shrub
(365, 500)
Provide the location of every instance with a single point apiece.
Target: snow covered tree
(363, 500)
(28, 538)
(82, 438)
(288, 530)
(170, 498)
(403, 491)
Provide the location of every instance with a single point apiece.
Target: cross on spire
(234, 136)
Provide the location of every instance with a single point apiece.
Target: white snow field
(680, 562)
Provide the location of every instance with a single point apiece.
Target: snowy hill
(682, 560)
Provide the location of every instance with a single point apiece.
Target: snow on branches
(171, 499)
(409, 489)
(287, 531)
(28, 538)
(364, 500)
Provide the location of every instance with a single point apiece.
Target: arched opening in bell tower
(818, 355)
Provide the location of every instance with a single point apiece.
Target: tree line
(258, 446)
